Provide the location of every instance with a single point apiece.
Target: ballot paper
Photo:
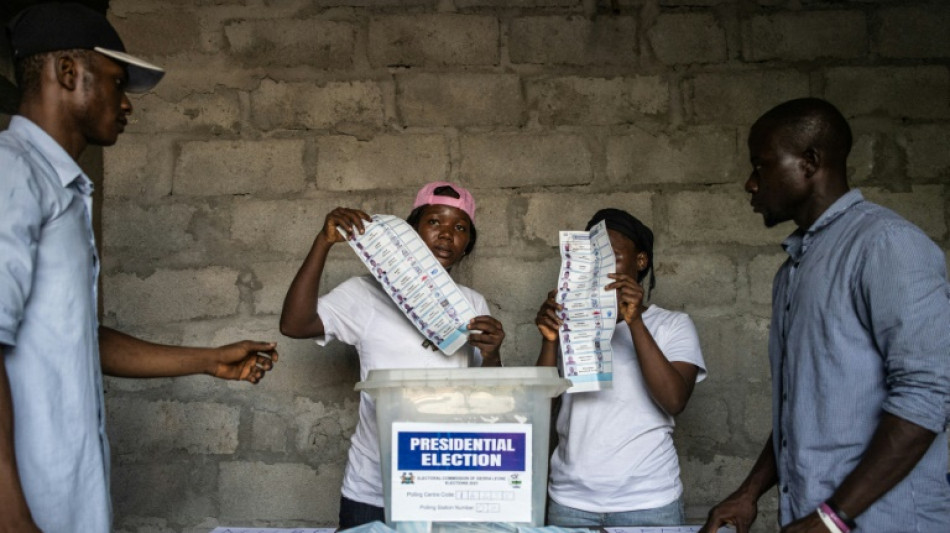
(272, 530)
(589, 313)
(415, 280)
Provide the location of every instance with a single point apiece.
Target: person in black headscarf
(615, 464)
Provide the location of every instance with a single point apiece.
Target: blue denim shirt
(860, 326)
(48, 331)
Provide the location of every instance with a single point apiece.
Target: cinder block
(492, 219)
(913, 31)
(387, 161)
(574, 40)
(549, 213)
(597, 101)
(463, 4)
(179, 489)
(516, 286)
(156, 427)
(215, 113)
(459, 100)
(741, 97)
(518, 160)
(924, 206)
(210, 168)
(696, 155)
(269, 432)
(685, 38)
(146, 35)
(314, 42)
(153, 231)
(706, 409)
(712, 479)
(191, 73)
(275, 278)
(171, 295)
(694, 3)
(433, 40)
(278, 105)
(287, 226)
(862, 163)
(926, 149)
(527, 340)
(761, 271)
(695, 280)
(716, 217)
(132, 168)
(300, 492)
(912, 92)
(805, 36)
(324, 430)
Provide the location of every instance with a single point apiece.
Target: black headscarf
(630, 227)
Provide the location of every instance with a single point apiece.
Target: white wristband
(829, 523)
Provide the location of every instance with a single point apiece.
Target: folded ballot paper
(415, 280)
(589, 312)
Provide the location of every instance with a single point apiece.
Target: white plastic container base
(466, 396)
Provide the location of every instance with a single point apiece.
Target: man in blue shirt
(859, 345)
(73, 74)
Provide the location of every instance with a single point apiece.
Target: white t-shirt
(358, 312)
(615, 451)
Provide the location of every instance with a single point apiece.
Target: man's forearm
(12, 501)
(895, 449)
(764, 474)
(126, 356)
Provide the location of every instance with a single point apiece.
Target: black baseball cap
(55, 26)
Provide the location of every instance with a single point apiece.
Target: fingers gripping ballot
(349, 220)
(629, 295)
(487, 334)
(736, 511)
(246, 360)
(548, 319)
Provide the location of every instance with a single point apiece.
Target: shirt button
(784, 443)
(785, 489)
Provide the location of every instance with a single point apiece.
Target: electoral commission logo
(427, 450)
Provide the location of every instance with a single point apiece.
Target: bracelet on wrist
(837, 512)
(827, 520)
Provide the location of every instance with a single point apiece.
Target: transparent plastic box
(466, 396)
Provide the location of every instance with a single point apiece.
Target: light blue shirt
(48, 329)
(860, 326)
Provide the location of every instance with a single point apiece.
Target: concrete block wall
(273, 113)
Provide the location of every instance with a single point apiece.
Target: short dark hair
(28, 71)
(812, 122)
(416, 214)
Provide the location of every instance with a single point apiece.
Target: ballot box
(463, 445)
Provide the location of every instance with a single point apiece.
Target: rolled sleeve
(906, 287)
(20, 223)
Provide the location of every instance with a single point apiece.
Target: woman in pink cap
(360, 313)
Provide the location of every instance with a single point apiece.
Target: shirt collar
(797, 243)
(63, 164)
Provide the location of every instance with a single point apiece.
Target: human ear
(811, 161)
(67, 72)
(642, 261)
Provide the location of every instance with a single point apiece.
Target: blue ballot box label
(461, 472)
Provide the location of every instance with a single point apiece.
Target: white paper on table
(662, 529)
(415, 280)
(271, 530)
(589, 312)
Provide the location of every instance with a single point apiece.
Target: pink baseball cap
(427, 196)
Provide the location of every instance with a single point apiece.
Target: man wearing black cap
(73, 74)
